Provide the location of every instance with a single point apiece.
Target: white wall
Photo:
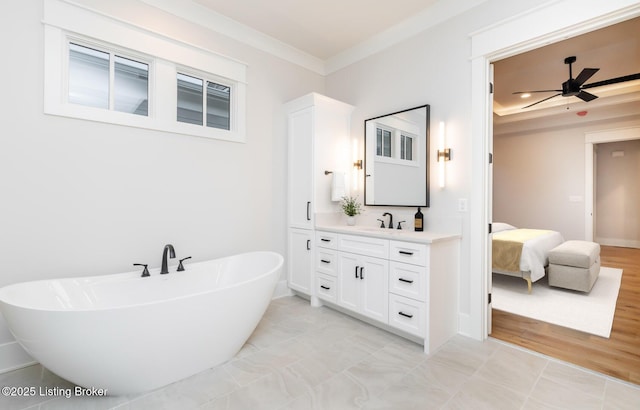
(431, 68)
(85, 198)
(617, 193)
(539, 177)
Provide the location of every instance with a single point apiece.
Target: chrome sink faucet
(390, 219)
(172, 254)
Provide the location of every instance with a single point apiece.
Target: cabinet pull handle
(324, 261)
(325, 240)
(308, 244)
(406, 253)
(361, 272)
(357, 271)
(325, 287)
(308, 209)
(405, 314)
(405, 280)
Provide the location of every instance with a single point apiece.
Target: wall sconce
(444, 154)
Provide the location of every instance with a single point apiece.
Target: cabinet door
(301, 168)
(374, 282)
(348, 282)
(300, 260)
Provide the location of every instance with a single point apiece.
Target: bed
(522, 252)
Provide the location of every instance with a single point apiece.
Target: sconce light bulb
(441, 160)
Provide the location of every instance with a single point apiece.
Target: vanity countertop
(386, 233)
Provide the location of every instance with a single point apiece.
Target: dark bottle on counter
(418, 223)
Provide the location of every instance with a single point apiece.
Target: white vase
(351, 220)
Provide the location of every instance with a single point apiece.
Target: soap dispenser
(418, 222)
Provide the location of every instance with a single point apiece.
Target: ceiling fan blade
(585, 96)
(584, 75)
(548, 98)
(622, 79)
(538, 91)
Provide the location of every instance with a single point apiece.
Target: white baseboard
(13, 356)
(282, 290)
(625, 243)
(463, 324)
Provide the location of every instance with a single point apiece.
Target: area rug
(587, 312)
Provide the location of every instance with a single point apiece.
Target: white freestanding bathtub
(128, 334)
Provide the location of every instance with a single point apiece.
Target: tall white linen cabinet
(319, 130)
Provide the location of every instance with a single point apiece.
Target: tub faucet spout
(172, 254)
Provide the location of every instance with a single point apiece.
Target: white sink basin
(376, 230)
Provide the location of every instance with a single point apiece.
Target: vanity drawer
(364, 245)
(326, 261)
(409, 252)
(326, 287)
(408, 315)
(408, 280)
(327, 240)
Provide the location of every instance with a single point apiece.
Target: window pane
(386, 143)
(406, 146)
(131, 85)
(88, 76)
(189, 99)
(218, 105)
(378, 141)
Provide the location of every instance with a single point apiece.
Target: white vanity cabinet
(410, 286)
(317, 126)
(408, 283)
(300, 260)
(362, 276)
(326, 266)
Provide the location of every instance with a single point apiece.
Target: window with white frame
(383, 142)
(406, 147)
(198, 104)
(103, 79)
(103, 69)
(395, 145)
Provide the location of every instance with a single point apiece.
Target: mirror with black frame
(397, 158)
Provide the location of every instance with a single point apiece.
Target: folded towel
(338, 186)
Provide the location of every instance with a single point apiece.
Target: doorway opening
(485, 54)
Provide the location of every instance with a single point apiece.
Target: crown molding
(437, 13)
(209, 19)
(205, 17)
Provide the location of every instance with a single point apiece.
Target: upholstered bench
(574, 265)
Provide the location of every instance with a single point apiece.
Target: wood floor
(618, 356)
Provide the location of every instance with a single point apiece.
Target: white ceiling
(321, 28)
(615, 50)
(323, 36)
(327, 35)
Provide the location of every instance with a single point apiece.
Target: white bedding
(535, 252)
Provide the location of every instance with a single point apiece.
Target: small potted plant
(351, 208)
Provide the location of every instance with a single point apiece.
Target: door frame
(590, 139)
(533, 29)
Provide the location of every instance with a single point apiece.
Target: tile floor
(316, 358)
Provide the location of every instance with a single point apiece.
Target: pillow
(501, 226)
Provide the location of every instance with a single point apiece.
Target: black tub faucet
(390, 219)
(172, 254)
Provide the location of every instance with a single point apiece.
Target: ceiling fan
(575, 86)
